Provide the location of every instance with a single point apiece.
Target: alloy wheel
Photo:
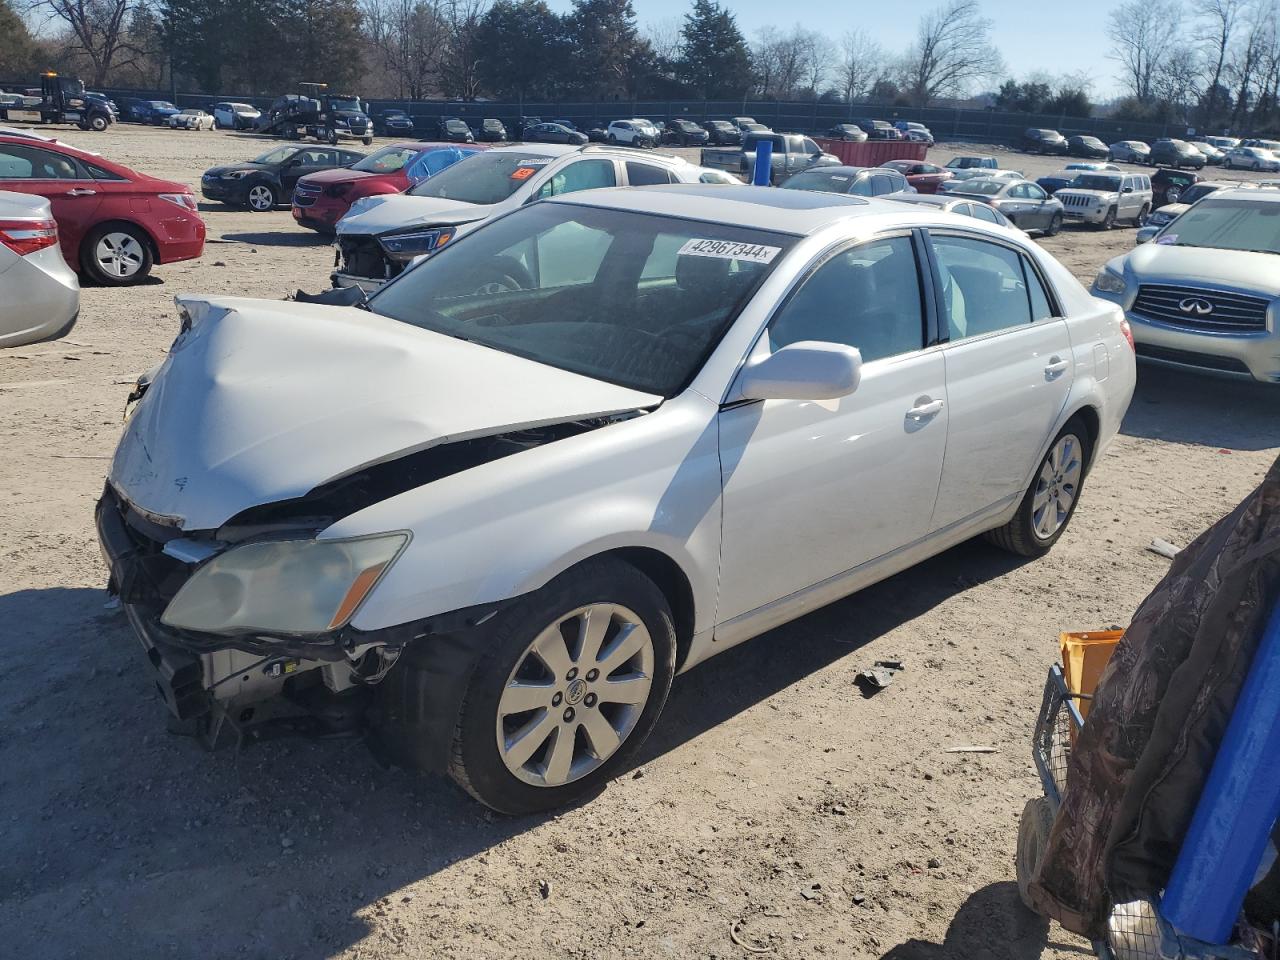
(260, 198)
(575, 695)
(1057, 487)
(119, 255)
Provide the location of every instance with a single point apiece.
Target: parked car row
(1195, 153)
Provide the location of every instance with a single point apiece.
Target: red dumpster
(872, 153)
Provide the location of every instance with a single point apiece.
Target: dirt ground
(771, 796)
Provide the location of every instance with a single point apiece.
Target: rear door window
(984, 288)
(580, 175)
(642, 174)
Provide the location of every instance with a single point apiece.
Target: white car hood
(1080, 192)
(372, 216)
(262, 401)
(1158, 262)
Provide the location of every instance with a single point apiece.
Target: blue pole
(1237, 809)
(764, 163)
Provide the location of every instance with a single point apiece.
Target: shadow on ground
(123, 839)
(280, 238)
(1186, 407)
(991, 923)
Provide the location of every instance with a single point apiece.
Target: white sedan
(488, 515)
(191, 120)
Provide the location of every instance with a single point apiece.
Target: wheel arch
(1088, 414)
(669, 577)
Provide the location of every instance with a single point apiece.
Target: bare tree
(1219, 19)
(1142, 32)
(97, 29)
(819, 55)
(862, 62)
(408, 36)
(459, 66)
(787, 63)
(665, 38)
(1175, 79)
(952, 50)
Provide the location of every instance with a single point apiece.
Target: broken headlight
(285, 586)
(406, 246)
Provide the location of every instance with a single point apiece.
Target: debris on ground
(749, 947)
(972, 750)
(881, 674)
(1163, 547)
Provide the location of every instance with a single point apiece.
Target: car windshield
(629, 298)
(162, 105)
(386, 160)
(1198, 192)
(964, 163)
(344, 103)
(242, 106)
(820, 180)
(983, 188)
(1091, 181)
(485, 178)
(395, 114)
(455, 125)
(278, 155)
(1227, 224)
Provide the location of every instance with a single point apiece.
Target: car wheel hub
(260, 198)
(575, 695)
(1057, 487)
(119, 255)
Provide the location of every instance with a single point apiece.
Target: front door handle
(81, 192)
(924, 409)
(1056, 366)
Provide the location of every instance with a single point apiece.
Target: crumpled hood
(261, 401)
(372, 216)
(1157, 262)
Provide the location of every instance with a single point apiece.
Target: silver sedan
(41, 295)
(1024, 203)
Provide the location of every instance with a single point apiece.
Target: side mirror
(809, 370)
(1145, 234)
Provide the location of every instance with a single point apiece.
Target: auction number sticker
(729, 250)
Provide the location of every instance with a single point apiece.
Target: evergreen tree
(527, 48)
(18, 51)
(714, 59)
(610, 59)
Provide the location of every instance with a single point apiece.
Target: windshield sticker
(523, 173)
(1168, 238)
(729, 250)
(836, 176)
(534, 162)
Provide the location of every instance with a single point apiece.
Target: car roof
(797, 212)
(1256, 196)
(931, 200)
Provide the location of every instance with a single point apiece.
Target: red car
(113, 224)
(321, 199)
(925, 177)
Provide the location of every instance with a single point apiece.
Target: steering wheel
(512, 276)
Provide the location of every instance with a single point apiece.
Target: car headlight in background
(1108, 281)
(236, 174)
(285, 586)
(406, 246)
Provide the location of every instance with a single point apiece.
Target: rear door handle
(925, 410)
(1056, 366)
(81, 192)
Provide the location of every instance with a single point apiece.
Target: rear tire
(1051, 499)
(1141, 219)
(601, 736)
(116, 254)
(1033, 837)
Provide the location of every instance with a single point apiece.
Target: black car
(722, 133)
(878, 129)
(454, 130)
(1039, 140)
(553, 133)
(1088, 147)
(849, 132)
(1167, 186)
(492, 131)
(262, 183)
(526, 123)
(684, 132)
(598, 135)
(392, 123)
(1056, 181)
(1176, 154)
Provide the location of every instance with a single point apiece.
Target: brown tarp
(1158, 716)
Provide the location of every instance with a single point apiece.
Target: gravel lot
(772, 794)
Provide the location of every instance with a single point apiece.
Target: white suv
(1102, 198)
(488, 517)
(634, 133)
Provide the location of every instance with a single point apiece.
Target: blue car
(154, 112)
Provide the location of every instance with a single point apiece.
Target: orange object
(1084, 656)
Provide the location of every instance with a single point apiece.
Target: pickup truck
(792, 153)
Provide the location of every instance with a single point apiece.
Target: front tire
(1033, 837)
(261, 198)
(98, 123)
(571, 682)
(1109, 220)
(1055, 226)
(1050, 500)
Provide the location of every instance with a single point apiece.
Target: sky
(1032, 36)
